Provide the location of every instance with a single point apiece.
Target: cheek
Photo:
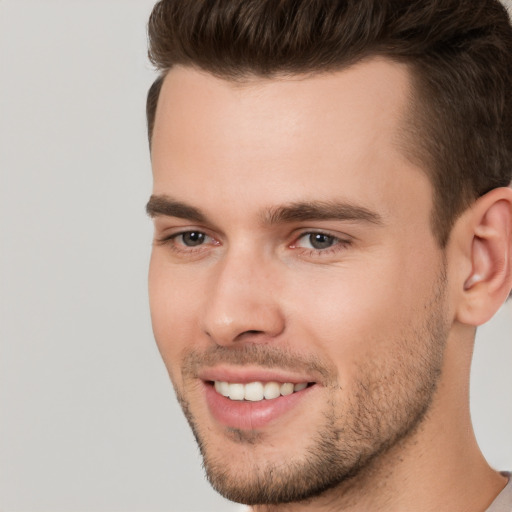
(361, 313)
(173, 303)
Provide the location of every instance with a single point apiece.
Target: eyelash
(338, 244)
(170, 242)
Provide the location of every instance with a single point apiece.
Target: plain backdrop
(88, 419)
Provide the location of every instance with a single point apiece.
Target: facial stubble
(389, 401)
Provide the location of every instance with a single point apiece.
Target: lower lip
(247, 415)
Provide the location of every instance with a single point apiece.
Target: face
(296, 288)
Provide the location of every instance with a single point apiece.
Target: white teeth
(286, 388)
(236, 391)
(257, 391)
(254, 391)
(222, 388)
(272, 390)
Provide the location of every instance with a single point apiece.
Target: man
(333, 220)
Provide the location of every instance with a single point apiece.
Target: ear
(485, 245)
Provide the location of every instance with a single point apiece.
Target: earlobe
(489, 281)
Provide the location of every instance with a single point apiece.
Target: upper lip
(243, 375)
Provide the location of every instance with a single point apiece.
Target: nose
(242, 301)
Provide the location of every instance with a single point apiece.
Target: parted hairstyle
(458, 52)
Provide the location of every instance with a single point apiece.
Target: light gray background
(88, 420)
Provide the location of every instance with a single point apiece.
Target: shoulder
(503, 502)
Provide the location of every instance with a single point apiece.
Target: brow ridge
(320, 210)
(159, 205)
(300, 211)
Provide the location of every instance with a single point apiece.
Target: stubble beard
(389, 402)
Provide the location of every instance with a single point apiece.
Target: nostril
(249, 334)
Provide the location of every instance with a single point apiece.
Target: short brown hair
(459, 53)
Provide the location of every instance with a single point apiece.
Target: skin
(381, 320)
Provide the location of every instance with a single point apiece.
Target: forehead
(371, 94)
(303, 135)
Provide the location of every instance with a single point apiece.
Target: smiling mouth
(257, 391)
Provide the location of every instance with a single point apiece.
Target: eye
(316, 241)
(185, 241)
(191, 238)
(188, 244)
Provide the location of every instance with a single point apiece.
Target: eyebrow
(164, 205)
(321, 210)
(300, 211)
